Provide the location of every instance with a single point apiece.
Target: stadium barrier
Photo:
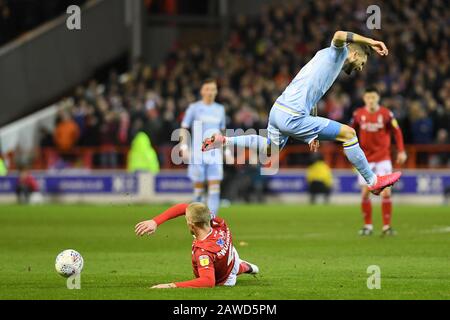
(289, 185)
(24, 133)
(50, 60)
(292, 156)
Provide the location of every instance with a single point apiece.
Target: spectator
(66, 134)
(441, 159)
(91, 132)
(444, 118)
(319, 178)
(108, 140)
(422, 128)
(3, 168)
(142, 156)
(45, 137)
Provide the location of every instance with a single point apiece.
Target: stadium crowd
(258, 60)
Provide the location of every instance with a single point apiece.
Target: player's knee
(365, 193)
(349, 133)
(386, 193)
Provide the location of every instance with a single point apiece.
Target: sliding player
(374, 124)
(215, 261)
(201, 117)
(290, 114)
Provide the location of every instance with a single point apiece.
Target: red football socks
(366, 208)
(243, 268)
(386, 208)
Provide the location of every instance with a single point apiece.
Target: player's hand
(401, 157)
(314, 145)
(145, 227)
(379, 47)
(164, 286)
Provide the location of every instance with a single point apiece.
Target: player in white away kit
(204, 117)
(290, 115)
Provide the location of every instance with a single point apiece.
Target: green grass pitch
(303, 252)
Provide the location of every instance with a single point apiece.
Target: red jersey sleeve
(171, 213)
(393, 124)
(354, 122)
(205, 271)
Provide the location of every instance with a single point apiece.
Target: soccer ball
(68, 263)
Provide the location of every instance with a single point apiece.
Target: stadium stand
(255, 64)
(20, 16)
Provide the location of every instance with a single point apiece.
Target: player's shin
(357, 157)
(214, 198)
(198, 193)
(366, 209)
(251, 141)
(386, 208)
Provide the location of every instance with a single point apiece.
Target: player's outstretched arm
(205, 270)
(145, 227)
(150, 226)
(164, 286)
(206, 278)
(342, 37)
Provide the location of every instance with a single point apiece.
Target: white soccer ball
(68, 263)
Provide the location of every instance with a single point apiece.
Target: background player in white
(290, 115)
(204, 117)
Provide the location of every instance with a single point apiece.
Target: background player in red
(374, 124)
(26, 186)
(215, 261)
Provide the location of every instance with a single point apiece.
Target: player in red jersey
(374, 124)
(215, 261)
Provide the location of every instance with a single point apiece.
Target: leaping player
(290, 115)
(215, 261)
(374, 124)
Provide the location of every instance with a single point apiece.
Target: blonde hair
(198, 213)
